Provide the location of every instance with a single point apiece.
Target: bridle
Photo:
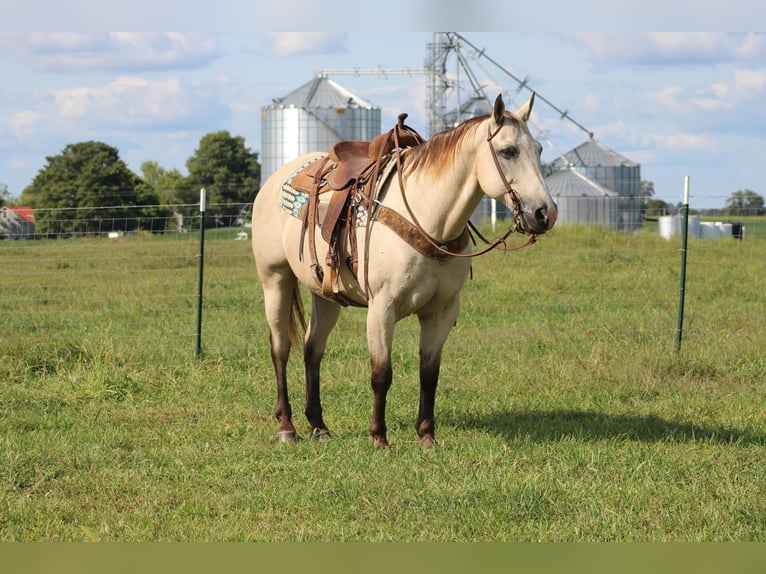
(517, 223)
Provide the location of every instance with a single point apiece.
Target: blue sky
(680, 104)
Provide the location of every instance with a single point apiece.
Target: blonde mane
(439, 152)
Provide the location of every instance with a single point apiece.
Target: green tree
(645, 194)
(657, 207)
(745, 202)
(228, 170)
(4, 196)
(88, 188)
(647, 191)
(169, 185)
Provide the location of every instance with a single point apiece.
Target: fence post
(684, 243)
(201, 268)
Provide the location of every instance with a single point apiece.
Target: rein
(472, 228)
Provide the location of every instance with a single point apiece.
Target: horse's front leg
(380, 334)
(324, 316)
(434, 330)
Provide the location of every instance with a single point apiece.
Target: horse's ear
(525, 110)
(499, 110)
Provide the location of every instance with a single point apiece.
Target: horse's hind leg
(324, 316)
(278, 291)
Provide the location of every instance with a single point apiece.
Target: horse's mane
(439, 152)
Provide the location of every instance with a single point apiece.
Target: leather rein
(472, 228)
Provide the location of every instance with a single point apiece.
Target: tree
(91, 177)
(745, 202)
(647, 191)
(228, 170)
(657, 207)
(4, 196)
(645, 194)
(169, 185)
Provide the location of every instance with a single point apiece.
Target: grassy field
(564, 412)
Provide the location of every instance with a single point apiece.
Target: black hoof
(287, 436)
(321, 434)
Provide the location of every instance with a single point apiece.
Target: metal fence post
(684, 242)
(201, 268)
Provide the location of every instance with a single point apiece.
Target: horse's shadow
(558, 424)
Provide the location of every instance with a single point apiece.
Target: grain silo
(582, 200)
(312, 118)
(471, 108)
(610, 170)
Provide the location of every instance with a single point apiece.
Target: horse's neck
(443, 203)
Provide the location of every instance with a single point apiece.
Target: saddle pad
(295, 201)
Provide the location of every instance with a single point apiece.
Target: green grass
(563, 413)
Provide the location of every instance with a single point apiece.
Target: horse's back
(269, 219)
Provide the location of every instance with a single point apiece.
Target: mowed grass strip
(563, 412)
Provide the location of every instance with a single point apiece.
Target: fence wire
(131, 289)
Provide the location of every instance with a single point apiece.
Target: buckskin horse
(385, 225)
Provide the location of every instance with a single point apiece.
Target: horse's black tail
(296, 310)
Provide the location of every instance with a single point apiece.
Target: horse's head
(510, 170)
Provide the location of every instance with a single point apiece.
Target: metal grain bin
(312, 118)
(610, 170)
(583, 201)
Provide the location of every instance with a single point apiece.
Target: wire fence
(130, 286)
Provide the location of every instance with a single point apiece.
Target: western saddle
(350, 173)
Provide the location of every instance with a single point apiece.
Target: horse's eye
(510, 152)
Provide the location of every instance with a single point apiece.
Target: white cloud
(671, 48)
(670, 98)
(750, 84)
(753, 46)
(299, 43)
(22, 124)
(135, 102)
(679, 142)
(122, 51)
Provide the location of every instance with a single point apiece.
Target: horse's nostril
(541, 214)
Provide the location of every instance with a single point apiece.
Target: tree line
(741, 202)
(88, 182)
(92, 181)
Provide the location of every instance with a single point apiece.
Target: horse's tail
(296, 310)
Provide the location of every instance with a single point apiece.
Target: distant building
(17, 222)
(608, 170)
(581, 200)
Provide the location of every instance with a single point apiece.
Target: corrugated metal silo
(610, 170)
(312, 118)
(471, 108)
(582, 200)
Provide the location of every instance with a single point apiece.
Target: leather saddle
(349, 166)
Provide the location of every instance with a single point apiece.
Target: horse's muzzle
(540, 219)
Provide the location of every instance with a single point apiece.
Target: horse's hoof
(428, 441)
(287, 436)
(380, 443)
(321, 434)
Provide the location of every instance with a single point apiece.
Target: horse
(416, 259)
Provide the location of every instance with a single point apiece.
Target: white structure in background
(671, 225)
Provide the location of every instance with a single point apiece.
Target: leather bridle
(517, 223)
